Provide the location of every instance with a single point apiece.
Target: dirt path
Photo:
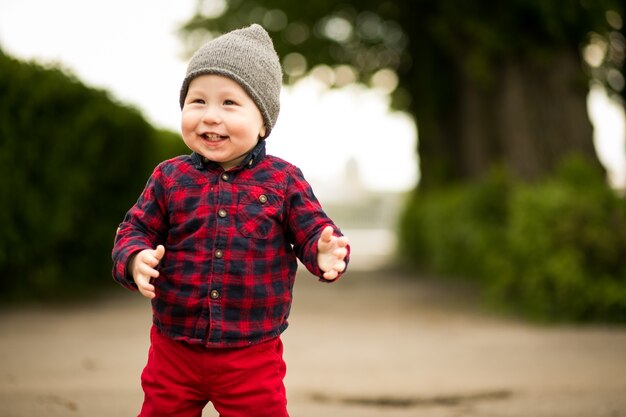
(374, 344)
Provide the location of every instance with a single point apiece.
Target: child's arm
(331, 252)
(144, 228)
(142, 267)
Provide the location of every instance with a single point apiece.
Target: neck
(226, 165)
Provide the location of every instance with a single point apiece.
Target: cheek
(244, 127)
(187, 123)
(256, 128)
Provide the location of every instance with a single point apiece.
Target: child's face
(220, 121)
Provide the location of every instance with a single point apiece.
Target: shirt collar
(197, 161)
(255, 156)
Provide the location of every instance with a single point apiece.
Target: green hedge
(553, 250)
(72, 161)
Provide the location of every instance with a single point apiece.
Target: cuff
(121, 272)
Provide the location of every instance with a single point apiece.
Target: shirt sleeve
(305, 221)
(143, 227)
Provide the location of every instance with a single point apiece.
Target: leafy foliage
(468, 72)
(449, 230)
(553, 250)
(413, 38)
(72, 161)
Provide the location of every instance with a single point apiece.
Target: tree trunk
(542, 115)
(526, 118)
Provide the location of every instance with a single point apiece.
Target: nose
(211, 115)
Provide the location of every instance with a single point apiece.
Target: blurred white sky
(131, 49)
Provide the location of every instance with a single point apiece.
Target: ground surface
(374, 344)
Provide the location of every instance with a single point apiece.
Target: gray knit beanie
(247, 56)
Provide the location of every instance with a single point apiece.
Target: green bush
(553, 250)
(72, 161)
(566, 245)
(449, 230)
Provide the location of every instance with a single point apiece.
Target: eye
(194, 100)
(229, 102)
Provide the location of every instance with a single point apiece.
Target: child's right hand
(143, 268)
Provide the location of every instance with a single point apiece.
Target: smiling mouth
(212, 137)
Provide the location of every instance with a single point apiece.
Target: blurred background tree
(487, 83)
(511, 193)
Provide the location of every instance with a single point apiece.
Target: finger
(147, 258)
(148, 287)
(147, 293)
(146, 270)
(327, 234)
(343, 241)
(153, 257)
(340, 253)
(332, 274)
(159, 252)
(339, 266)
(150, 261)
(145, 288)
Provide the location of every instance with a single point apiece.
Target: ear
(262, 132)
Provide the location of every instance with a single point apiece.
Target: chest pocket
(259, 214)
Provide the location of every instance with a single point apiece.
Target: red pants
(180, 379)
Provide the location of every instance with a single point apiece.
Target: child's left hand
(331, 252)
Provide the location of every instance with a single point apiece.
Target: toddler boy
(214, 239)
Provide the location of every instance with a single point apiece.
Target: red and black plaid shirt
(231, 241)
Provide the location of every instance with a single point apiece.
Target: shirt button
(263, 198)
(222, 213)
(215, 294)
(225, 177)
(219, 254)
